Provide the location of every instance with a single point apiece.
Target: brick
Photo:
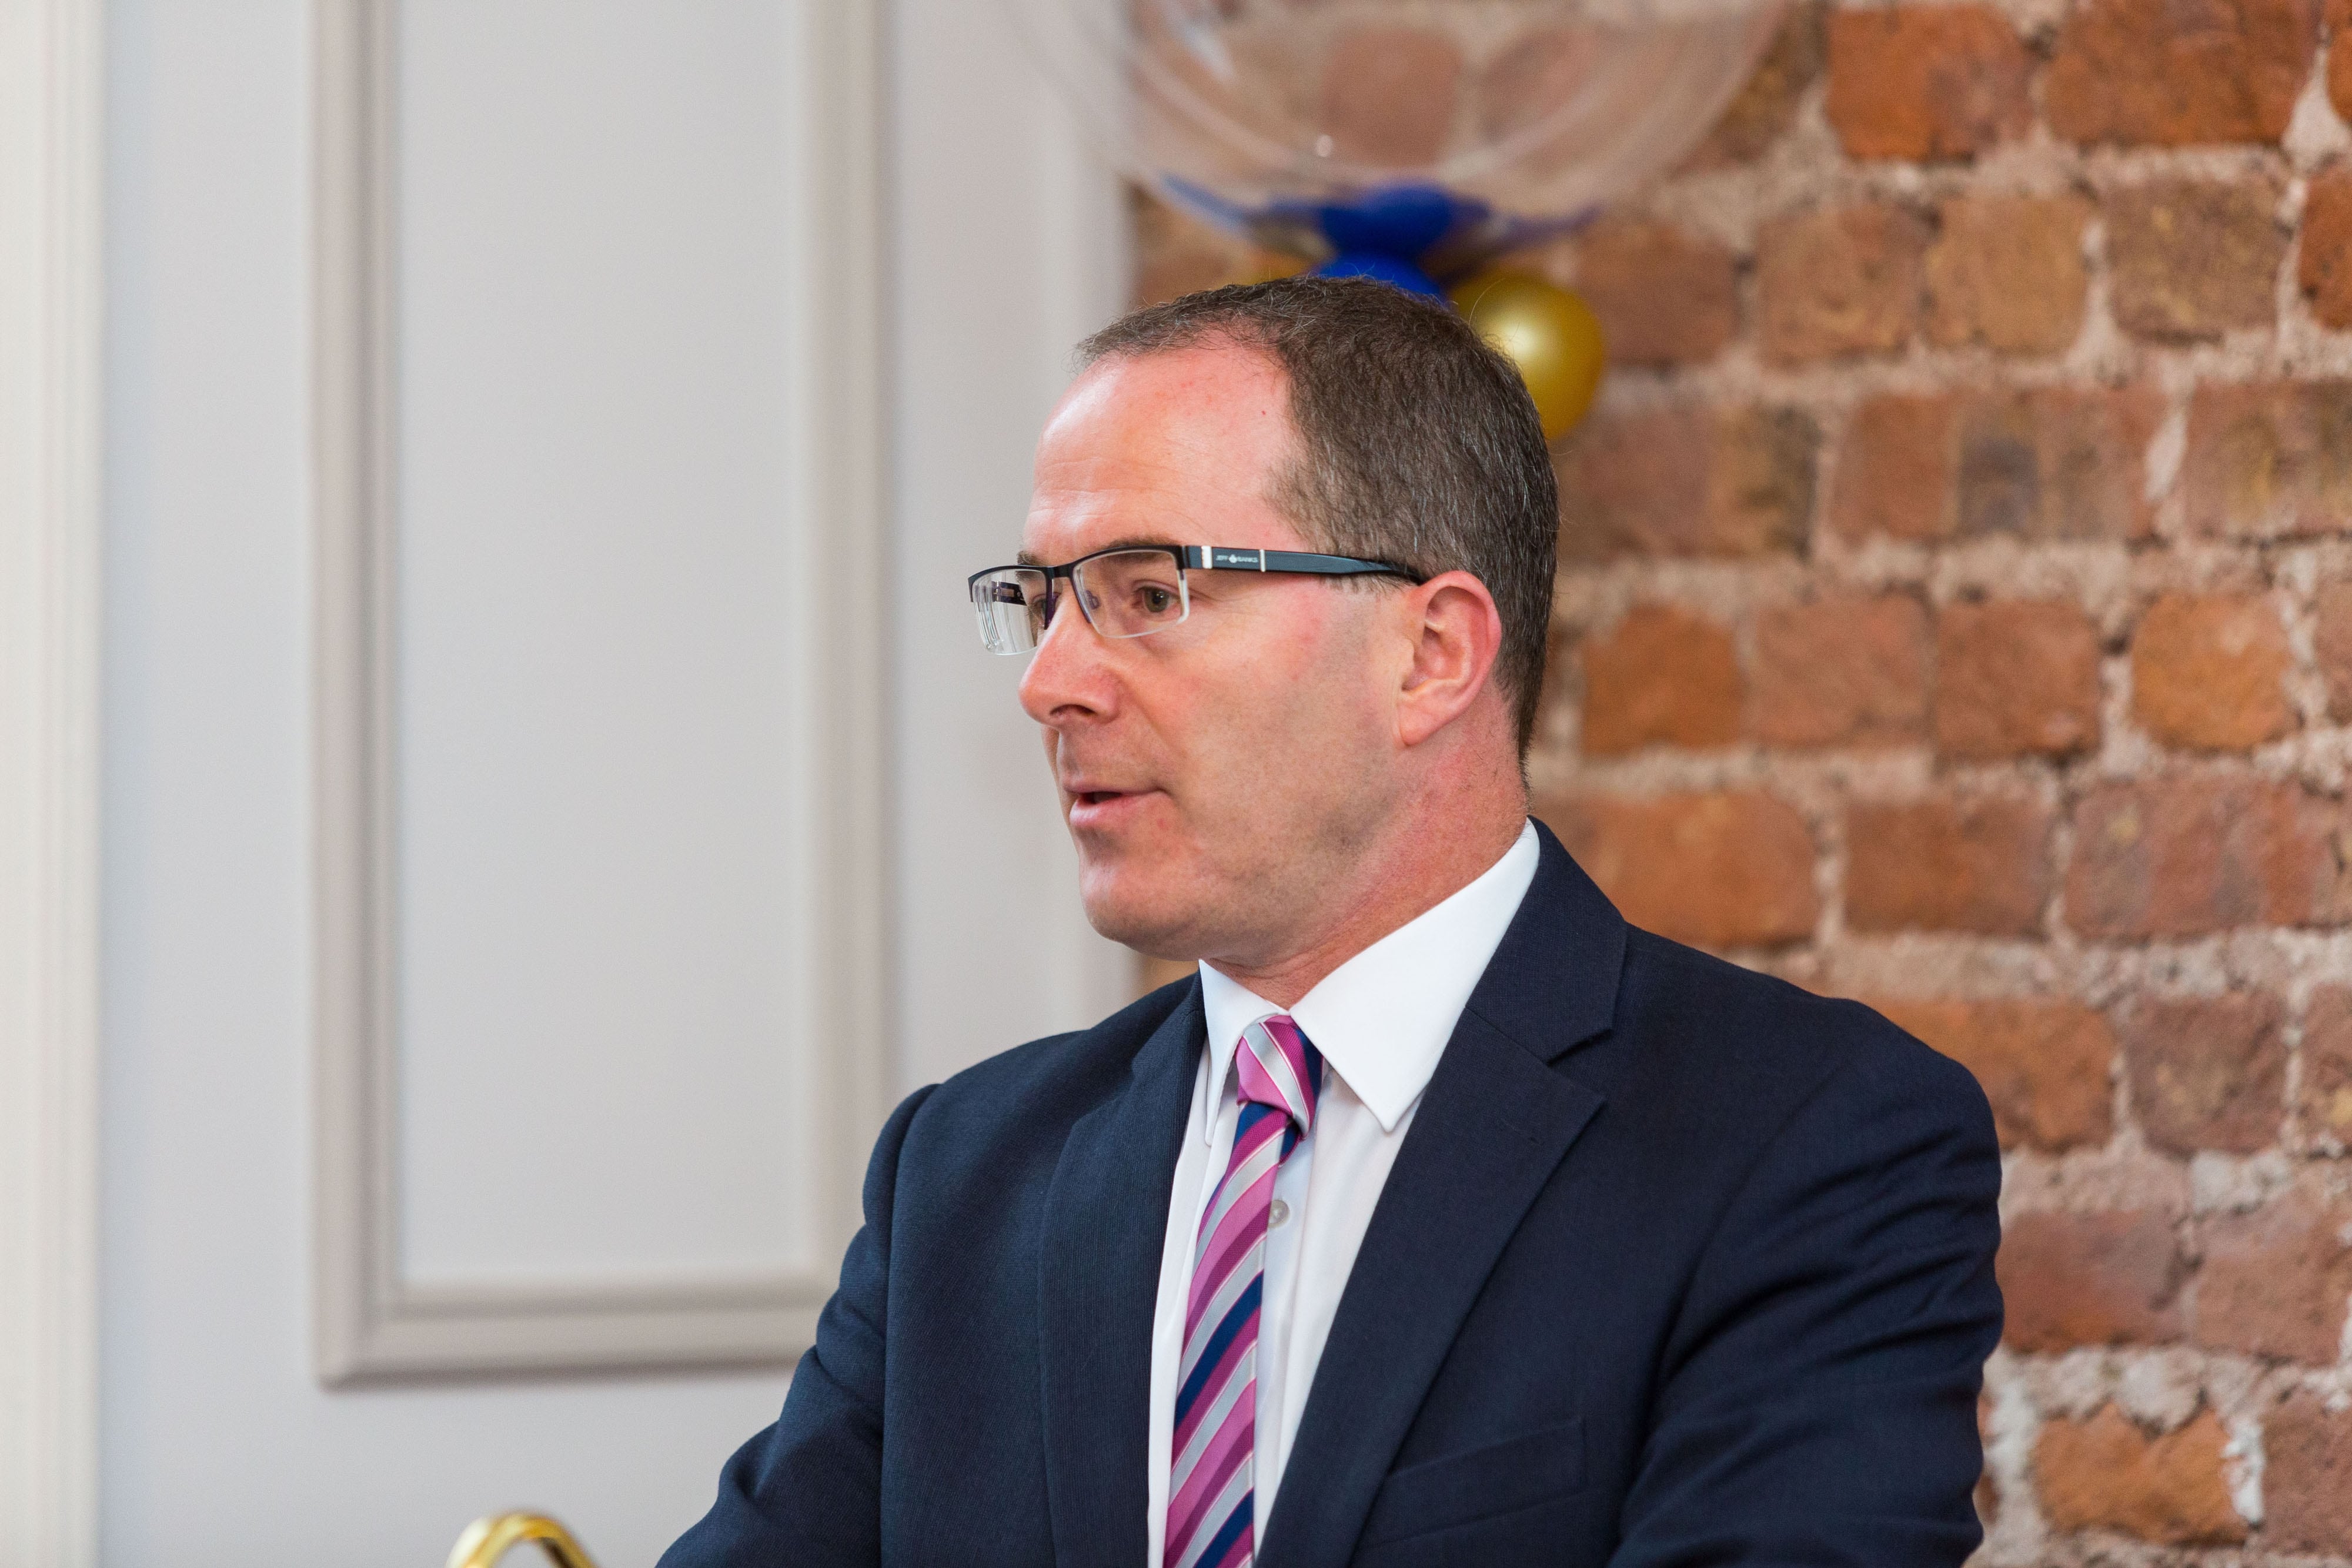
(1764, 109)
(2324, 1098)
(2191, 259)
(1840, 672)
(2171, 73)
(2106, 1474)
(1664, 296)
(2016, 678)
(2044, 1064)
(2307, 1477)
(2274, 1282)
(1688, 481)
(1979, 865)
(2112, 1277)
(1725, 870)
(1895, 469)
(1838, 282)
(2323, 268)
(2206, 1073)
(2006, 271)
(2339, 71)
(2268, 460)
(1921, 82)
(2331, 607)
(1760, 476)
(2000, 474)
(2058, 463)
(2208, 671)
(2182, 857)
(1389, 95)
(1638, 483)
(1662, 676)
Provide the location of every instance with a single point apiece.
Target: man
(1443, 1217)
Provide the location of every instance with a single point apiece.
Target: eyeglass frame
(1198, 558)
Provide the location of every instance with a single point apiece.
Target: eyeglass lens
(1013, 604)
(1126, 593)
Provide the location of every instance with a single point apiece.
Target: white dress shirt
(1380, 1019)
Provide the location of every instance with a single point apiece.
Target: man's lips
(1096, 805)
(1083, 787)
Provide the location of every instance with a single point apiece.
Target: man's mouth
(1093, 807)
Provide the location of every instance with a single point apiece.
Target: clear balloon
(1441, 131)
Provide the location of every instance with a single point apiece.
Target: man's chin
(1152, 935)
(1139, 912)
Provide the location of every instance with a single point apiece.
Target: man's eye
(1156, 599)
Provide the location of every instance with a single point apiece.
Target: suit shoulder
(1759, 1039)
(1074, 1069)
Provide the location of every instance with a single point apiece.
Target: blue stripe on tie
(1252, 1112)
(1314, 1087)
(1236, 1316)
(1314, 1094)
(1230, 1532)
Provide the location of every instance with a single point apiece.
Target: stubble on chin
(1118, 903)
(1156, 909)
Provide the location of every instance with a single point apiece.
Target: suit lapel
(1105, 1224)
(1494, 1123)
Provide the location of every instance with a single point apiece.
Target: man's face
(1219, 777)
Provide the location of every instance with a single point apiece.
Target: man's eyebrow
(1133, 541)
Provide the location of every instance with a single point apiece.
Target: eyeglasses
(1132, 590)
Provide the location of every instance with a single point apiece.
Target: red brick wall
(1957, 613)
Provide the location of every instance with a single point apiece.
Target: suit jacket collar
(1552, 984)
(1495, 1122)
(1104, 1223)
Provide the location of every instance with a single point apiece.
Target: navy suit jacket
(1678, 1264)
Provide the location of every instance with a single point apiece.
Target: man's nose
(1068, 677)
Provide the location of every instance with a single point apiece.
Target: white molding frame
(52, 73)
(371, 1323)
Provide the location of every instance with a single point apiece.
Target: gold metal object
(488, 1539)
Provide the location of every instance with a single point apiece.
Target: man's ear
(1456, 634)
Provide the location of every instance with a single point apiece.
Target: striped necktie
(1212, 1481)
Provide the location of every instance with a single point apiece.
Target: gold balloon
(1545, 330)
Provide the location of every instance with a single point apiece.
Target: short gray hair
(1417, 442)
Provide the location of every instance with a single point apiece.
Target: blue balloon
(1389, 269)
(1398, 220)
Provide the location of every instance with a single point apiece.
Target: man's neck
(1443, 861)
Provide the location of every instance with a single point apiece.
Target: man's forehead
(1152, 416)
(1153, 445)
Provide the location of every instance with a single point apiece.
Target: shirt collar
(1381, 1020)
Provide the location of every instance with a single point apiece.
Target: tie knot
(1277, 1068)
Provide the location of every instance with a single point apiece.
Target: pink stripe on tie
(1212, 1494)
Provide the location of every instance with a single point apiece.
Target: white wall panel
(599, 760)
(217, 1445)
(599, 741)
